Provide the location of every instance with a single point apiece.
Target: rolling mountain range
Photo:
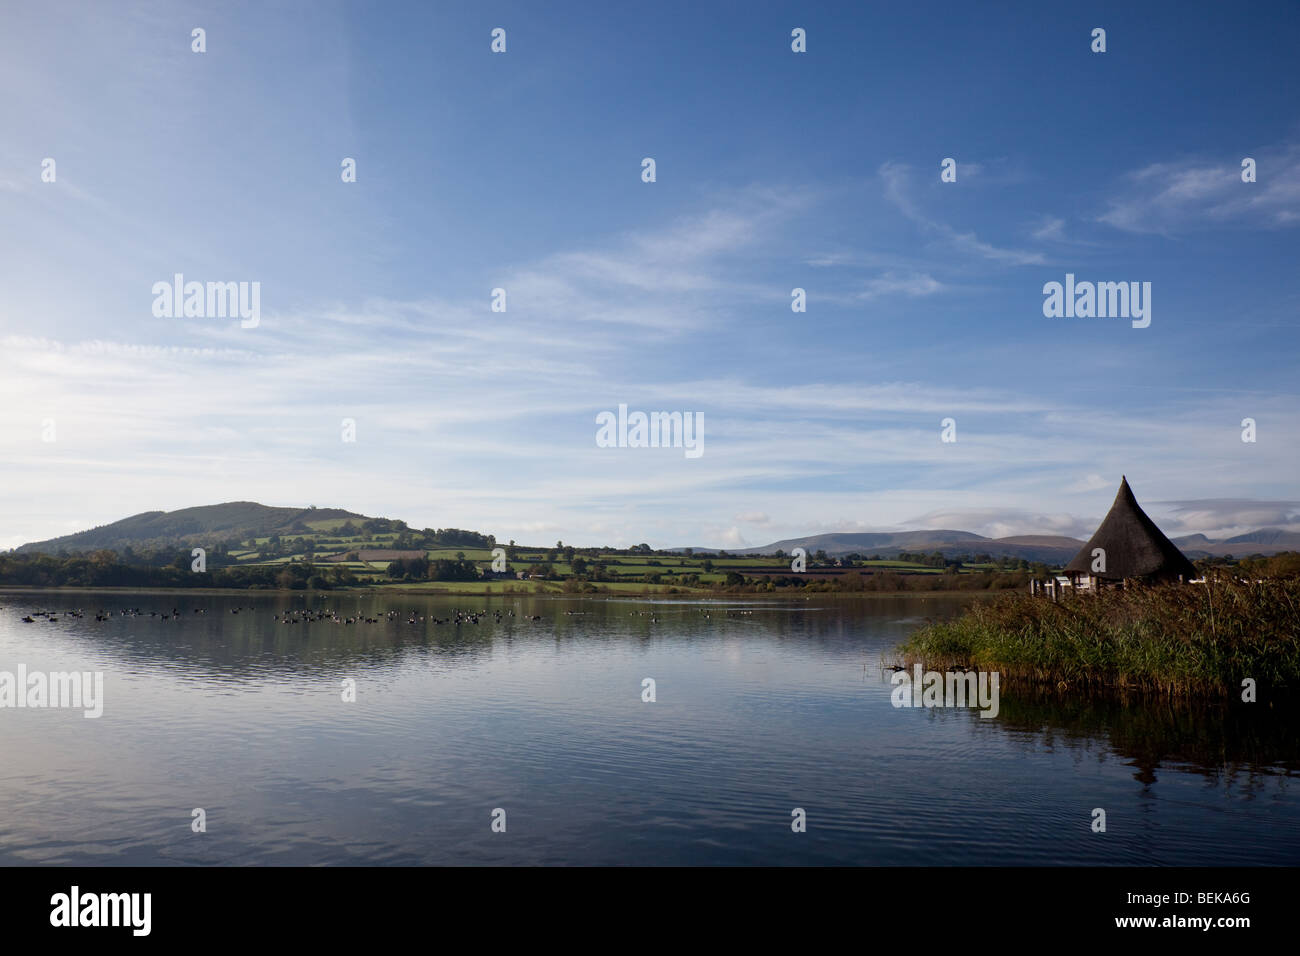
(1050, 549)
(245, 519)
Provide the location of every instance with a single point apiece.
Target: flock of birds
(297, 616)
(105, 615)
(654, 615)
(310, 616)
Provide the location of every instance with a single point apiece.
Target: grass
(1197, 640)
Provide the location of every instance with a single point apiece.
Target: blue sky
(775, 170)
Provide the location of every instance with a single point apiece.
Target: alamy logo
(102, 909)
(213, 300)
(656, 430)
(1102, 300)
(72, 689)
(954, 689)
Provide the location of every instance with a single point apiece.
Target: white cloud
(1173, 197)
(891, 284)
(1091, 482)
(1226, 517)
(895, 177)
(1051, 229)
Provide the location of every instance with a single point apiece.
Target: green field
(312, 556)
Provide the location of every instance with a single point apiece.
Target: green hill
(240, 520)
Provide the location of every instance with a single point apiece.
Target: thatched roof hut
(1133, 546)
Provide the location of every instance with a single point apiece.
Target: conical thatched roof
(1134, 546)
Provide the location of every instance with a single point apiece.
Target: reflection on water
(1233, 744)
(760, 708)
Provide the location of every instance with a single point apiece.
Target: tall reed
(1186, 639)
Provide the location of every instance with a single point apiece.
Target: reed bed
(1186, 639)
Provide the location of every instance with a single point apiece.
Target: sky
(774, 170)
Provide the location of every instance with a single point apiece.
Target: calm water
(756, 713)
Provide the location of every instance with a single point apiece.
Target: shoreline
(448, 592)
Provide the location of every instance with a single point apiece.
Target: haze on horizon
(775, 170)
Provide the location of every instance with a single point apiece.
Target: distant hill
(160, 529)
(1049, 549)
(1262, 541)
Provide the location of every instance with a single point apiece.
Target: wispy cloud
(1052, 229)
(1172, 197)
(671, 280)
(1092, 482)
(893, 284)
(1225, 517)
(896, 178)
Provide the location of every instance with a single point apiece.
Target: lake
(761, 707)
